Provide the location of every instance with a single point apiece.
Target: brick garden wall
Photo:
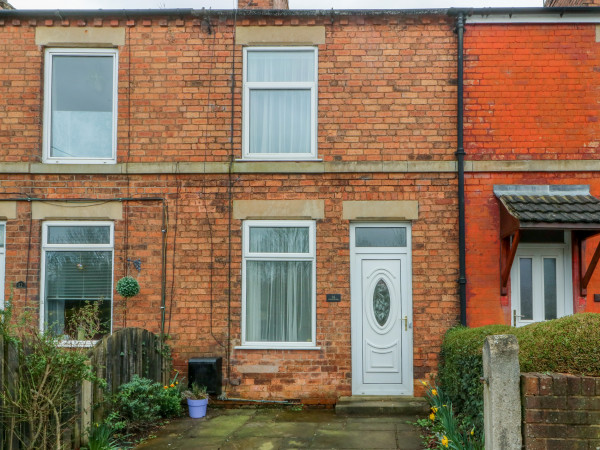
(560, 411)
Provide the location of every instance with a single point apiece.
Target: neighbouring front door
(381, 309)
(541, 287)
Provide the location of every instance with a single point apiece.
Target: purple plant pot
(197, 408)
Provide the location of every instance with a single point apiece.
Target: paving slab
(354, 439)
(285, 429)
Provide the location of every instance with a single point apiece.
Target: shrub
(461, 369)
(141, 403)
(39, 397)
(566, 345)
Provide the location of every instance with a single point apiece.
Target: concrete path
(266, 429)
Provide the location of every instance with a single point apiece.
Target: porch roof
(547, 206)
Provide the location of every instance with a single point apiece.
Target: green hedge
(566, 345)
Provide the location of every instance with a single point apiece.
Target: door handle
(515, 315)
(405, 323)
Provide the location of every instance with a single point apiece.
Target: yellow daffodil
(472, 431)
(177, 382)
(434, 392)
(434, 409)
(424, 383)
(432, 416)
(445, 441)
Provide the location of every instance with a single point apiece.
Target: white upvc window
(278, 284)
(2, 261)
(80, 106)
(280, 103)
(77, 268)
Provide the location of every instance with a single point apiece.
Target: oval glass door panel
(381, 302)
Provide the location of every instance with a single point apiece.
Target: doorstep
(375, 405)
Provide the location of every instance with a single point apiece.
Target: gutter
(460, 156)
(451, 12)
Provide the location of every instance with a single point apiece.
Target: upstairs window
(80, 109)
(280, 103)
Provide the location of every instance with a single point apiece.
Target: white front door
(541, 282)
(381, 309)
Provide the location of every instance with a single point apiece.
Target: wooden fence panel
(116, 359)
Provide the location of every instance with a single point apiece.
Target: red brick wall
(530, 94)
(551, 3)
(386, 89)
(560, 411)
(386, 93)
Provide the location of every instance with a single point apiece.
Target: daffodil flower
(432, 416)
(445, 441)
(434, 392)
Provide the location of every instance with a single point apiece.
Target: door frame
(356, 307)
(537, 250)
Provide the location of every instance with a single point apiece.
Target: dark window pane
(279, 301)
(381, 302)
(67, 234)
(526, 288)
(381, 237)
(73, 278)
(541, 236)
(550, 288)
(279, 240)
(82, 107)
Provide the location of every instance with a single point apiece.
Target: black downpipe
(460, 156)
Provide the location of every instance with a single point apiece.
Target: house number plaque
(335, 298)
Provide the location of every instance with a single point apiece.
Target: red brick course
(560, 411)
(531, 92)
(386, 88)
(386, 93)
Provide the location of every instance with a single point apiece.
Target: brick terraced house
(287, 186)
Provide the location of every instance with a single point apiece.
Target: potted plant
(197, 400)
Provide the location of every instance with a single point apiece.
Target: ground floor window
(541, 277)
(77, 270)
(278, 283)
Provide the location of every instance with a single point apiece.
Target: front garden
(566, 345)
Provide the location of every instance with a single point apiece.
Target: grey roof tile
(553, 208)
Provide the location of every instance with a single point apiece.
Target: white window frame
(47, 138)
(2, 265)
(537, 251)
(255, 256)
(271, 85)
(75, 247)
